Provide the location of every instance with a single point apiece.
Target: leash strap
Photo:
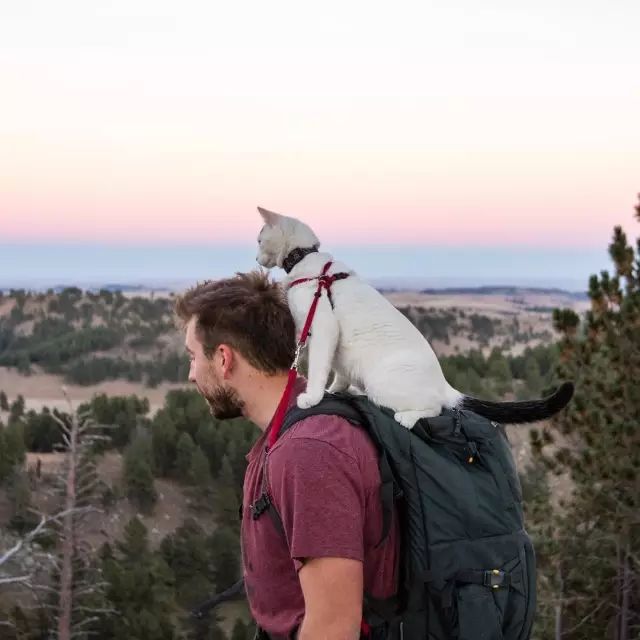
(323, 281)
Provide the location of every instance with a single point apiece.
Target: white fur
(364, 338)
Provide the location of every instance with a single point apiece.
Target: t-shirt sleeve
(319, 494)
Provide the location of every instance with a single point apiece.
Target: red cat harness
(324, 282)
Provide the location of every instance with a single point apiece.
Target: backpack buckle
(494, 579)
(260, 505)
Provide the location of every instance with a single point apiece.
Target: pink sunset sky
(139, 121)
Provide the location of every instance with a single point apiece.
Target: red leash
(323, 281)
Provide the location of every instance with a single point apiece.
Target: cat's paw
(409, 418)
(308, 400)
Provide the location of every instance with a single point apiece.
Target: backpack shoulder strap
(330, 405)
(343, 405)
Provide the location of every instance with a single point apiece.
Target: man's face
(208, 376)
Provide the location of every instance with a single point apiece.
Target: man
(322, 473)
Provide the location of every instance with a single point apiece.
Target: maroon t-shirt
(324, 480)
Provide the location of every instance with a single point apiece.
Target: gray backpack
(467, 564)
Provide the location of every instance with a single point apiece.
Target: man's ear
(269, 217)
(227, 360)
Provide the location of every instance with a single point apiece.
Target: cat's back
(356, 303)
(362, 309)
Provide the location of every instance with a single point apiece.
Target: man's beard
(224, 404)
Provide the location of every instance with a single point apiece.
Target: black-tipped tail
(520, 412)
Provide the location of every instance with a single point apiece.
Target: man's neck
(261, 395)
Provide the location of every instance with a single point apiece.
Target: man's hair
(249, 312)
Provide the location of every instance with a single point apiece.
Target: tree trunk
(626, 592)
(619, 581)
(68, 542)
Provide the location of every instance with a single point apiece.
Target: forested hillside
(154, 494)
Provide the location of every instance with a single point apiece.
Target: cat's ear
(269, 217)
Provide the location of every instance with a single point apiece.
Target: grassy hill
(89, 337)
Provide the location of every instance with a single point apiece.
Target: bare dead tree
(79, 601)
(10, 578)
(76, 600)
(22, 546)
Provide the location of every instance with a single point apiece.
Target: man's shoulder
(326, 430)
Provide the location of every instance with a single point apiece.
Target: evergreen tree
(164, 440)
(200, 474)
(542, 525)
(239, 631)
(41, 430)
(4, 402)
(236, 455)
(187, 410)
(227, 503)
(210, 441)
(532, 378)
(184, 456)
(19, 494)
(23, 365)
(12, 449)
(16, 409)
(140, 589)
(122, 414)
(597, 442)
(138, 473)
(6, 464)
(224, 547)
(14, 442)
(208, 628)
(187, 554)
(499, 371)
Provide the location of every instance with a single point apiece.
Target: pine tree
(186, 553)
(122, 414)
(4, 402)
(164, 440)
(532, 378)
(184, 456)
(138, 473)
(6, 463)
(209, 440)
(12, 448)
(19, 494)
(140, 589)
(500, 372)
(199, 473)
(16, 410)
(239, 631)
(597, 442)
(208, 628)
(224, 548)
(14, 443)
(227, 503)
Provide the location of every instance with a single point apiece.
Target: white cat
(369, 344)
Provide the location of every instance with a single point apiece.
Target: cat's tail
(520, 412)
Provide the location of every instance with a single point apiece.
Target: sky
(489, 139)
